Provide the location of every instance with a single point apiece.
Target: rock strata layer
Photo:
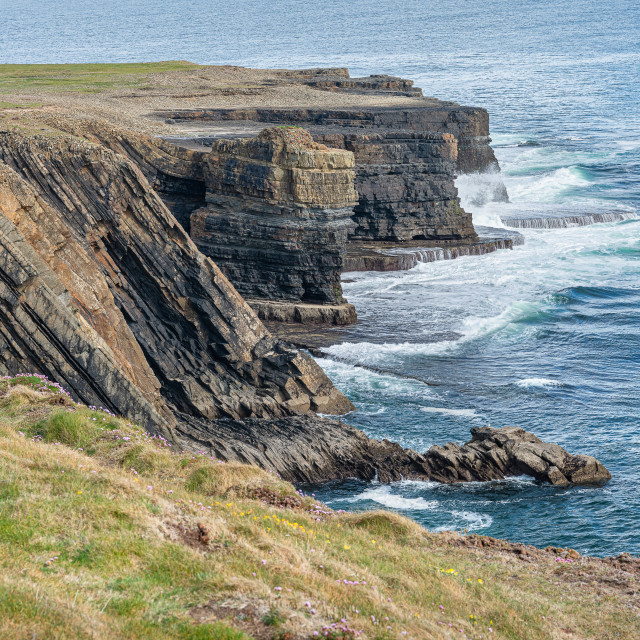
(277, 215)
(406, 161)
(104, 292)
(306, 449)
(385, 256)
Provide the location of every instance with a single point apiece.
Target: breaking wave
(384, 496)
(527, 383)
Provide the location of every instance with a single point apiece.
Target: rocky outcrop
(405, 184)
(104, 292)
(304, 313)
(385, 256)
(492, 454)
(277, 215)
(406, 157)
(304, 449)
(340, 80)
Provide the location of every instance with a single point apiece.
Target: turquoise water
(547, 336)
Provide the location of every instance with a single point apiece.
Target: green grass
(105, 532)
(84, 78)
(19, 105)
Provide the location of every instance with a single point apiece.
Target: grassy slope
(106, 533)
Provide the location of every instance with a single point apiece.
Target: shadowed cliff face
(103, 291)
(277, 216)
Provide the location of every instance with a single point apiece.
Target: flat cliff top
(108, 533)
(130, 94)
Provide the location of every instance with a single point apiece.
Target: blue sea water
(546, 336)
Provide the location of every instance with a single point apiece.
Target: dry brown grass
(126, 539)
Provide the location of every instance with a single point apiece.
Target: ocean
(545, 337)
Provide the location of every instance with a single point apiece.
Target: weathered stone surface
(303, 313)
(311, 449)
(176, 173)
(405, 184)
(277, 215)
(563, 219)
(128, 313)
(497, 453)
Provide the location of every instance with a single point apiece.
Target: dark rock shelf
(389, 257)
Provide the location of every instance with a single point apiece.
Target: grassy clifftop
(105, 532)
(82, 77)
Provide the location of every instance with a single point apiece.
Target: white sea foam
(383, 495)
(377, 412)
(472, 328)
(470, 413)
(527, 383)
(477, 189)
(360, 379)
(550, 187)
(469, 520)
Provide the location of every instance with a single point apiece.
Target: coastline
(189, 180)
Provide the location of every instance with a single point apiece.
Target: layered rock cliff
(284, 248)
(103, 291)
(273, 211)
(277, 215)
(406, 159)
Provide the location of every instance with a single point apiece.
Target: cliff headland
(154, 219)
(153, 215)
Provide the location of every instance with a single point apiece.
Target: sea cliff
(129, 252)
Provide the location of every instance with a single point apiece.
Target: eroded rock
(277, 216)
(312, 449)
(104, 292)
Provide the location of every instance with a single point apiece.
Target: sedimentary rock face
(406, 160)
(277, 216)
(105, 293)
